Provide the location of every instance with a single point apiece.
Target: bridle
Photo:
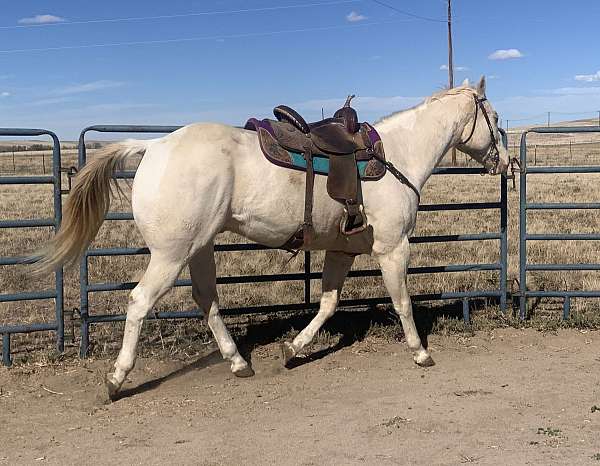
(491, 160)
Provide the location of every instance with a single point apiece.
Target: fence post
(503, 241)
(504, 233)
(523, 229)
(6, 359)
(83, 270)
(307, 278)
(59, 273)
(571, 150)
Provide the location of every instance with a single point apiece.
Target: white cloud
(119, 107)
(595, 90)
(353, 17)
(588, 78)
(505, 54)
(456, 68)
(5, 94)
(88, 87)
(48, 101)
(41, 19)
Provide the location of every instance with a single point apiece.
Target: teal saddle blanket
(321, 163)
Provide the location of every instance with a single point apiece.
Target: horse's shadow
(351, 326)
(214, 357)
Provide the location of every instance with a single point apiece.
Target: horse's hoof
(287, 351)
(112, 388)
(424, 360)
(246, 371)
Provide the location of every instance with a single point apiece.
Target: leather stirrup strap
(307, 226)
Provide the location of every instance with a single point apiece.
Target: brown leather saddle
(341, 148)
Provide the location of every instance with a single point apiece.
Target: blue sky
(209, 61)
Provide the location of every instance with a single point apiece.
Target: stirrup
(357, 229)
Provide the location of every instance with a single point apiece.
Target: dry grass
(188, 337)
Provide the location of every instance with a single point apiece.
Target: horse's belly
(268, 205)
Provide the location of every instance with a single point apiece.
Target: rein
(399, 175)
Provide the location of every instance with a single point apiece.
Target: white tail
(87, 205)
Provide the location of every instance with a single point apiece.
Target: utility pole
(450, 63)
(598, 117)
(548, 119)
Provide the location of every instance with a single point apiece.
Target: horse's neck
(416, 140)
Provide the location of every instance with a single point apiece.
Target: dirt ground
(505, 396)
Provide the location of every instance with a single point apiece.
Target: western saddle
(340, 147)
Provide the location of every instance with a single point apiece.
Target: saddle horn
(348, 99)
(348, 115)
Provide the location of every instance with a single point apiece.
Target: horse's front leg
(335, 269)
(394, 268)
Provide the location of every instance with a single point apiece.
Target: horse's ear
(466, 82)
(481, 87)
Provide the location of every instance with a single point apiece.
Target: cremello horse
(208, 178)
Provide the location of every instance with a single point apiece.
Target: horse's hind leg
(159, 277)
(394, 268)
(204, 290)
(335, 269)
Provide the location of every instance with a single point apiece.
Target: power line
(195, 39)
(545, 115)
(574, 113)
(182, 15)
(407, 13)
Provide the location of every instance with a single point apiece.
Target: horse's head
(481, 137)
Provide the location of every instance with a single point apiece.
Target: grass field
(35, 201)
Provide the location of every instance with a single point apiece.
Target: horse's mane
(465, 89)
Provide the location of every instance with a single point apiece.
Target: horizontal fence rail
(57, 293)
(525, 236)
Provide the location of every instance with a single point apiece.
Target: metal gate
(57, 292)
(525, 236)
(306, 276)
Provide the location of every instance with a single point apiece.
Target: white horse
(208, 178)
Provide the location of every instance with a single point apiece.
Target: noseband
(493, 154)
